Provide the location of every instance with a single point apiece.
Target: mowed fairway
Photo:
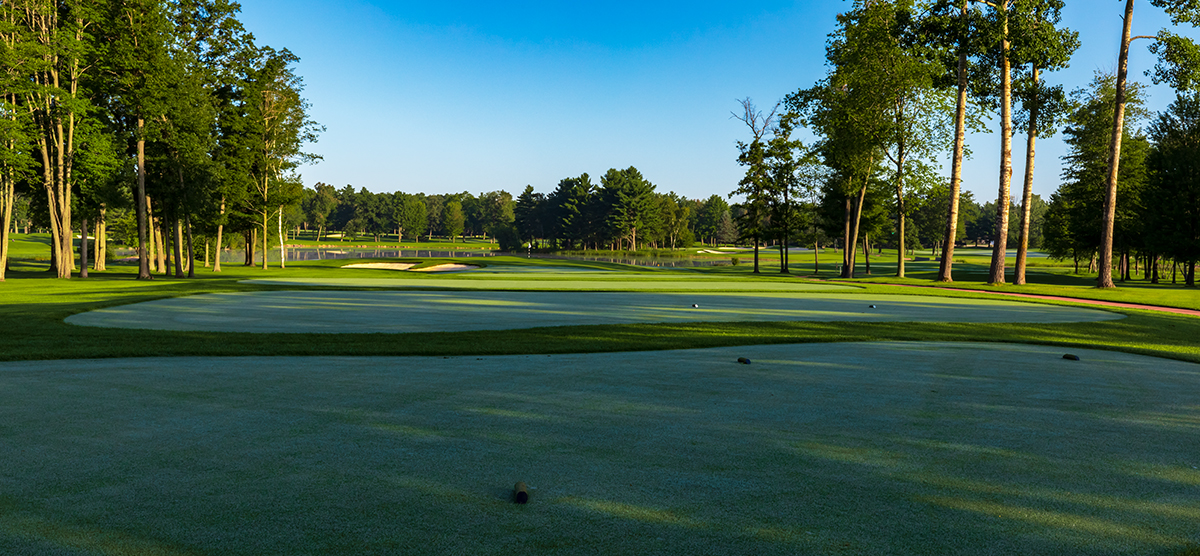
(425, 311)
(863, 448)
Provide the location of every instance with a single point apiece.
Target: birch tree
(1043, 47)
(15, 157)
(277, 117)
(58, 36)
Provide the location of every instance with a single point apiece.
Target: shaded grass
(863, 449)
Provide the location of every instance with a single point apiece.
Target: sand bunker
(862, 448)
(449, 267)
(382, 266)
(427, 311)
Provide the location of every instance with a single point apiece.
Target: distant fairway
(863, 448)
(545, 280)
(425, 311)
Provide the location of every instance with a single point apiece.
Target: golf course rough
(436, 311)
(865, 448)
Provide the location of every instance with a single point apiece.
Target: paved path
(1176, 310)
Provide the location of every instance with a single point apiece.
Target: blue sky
(472, 96)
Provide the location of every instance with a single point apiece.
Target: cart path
(1117, 304)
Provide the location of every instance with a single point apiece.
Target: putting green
(570, 282)
(425, 311)
(873, 448)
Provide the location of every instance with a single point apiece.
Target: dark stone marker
(743, 361)
(1071, 357)
(520, 493)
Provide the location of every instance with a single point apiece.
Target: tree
(434, 208)
(278, 124)
(1078, 203)
(630, 197)
(756, 185)
(59, 52)
(318, 206)
(495, 211)
(569, 203)
(529, 214)
(452, 219)
(714, 209)
(917, 109)
(998, 90)
(1178, 66)
(784, 158)
(1043, 47)
(16, 161)
(951, 27)
(1173, 194)
(415, 217)
(136, 58)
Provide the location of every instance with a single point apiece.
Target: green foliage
(629, 197)
(452, 219)
(1080, 198)
(1172, 197)
(507, 237)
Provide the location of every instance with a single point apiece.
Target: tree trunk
(1000, 249)
(7, 198)
(101, 241)
(1153, 269)
(850, 249)
(178, 241)
(900, 206)
(55, 231)
(1027, 195)
(191, 257)
(264, 239)
(960, 134)
(867, 253)
(282, 245)
(220, 232)
(152, 248)
(1104, 280)
(251, 239)
(756, 254)
(846, 239)
(816, 256)
(143, 206)
(83, 249)
(162, 245)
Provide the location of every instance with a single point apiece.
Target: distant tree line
(622, 212)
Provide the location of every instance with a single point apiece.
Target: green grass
(889, 443)
(34, 306)
(848, 449)
(29, 246)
